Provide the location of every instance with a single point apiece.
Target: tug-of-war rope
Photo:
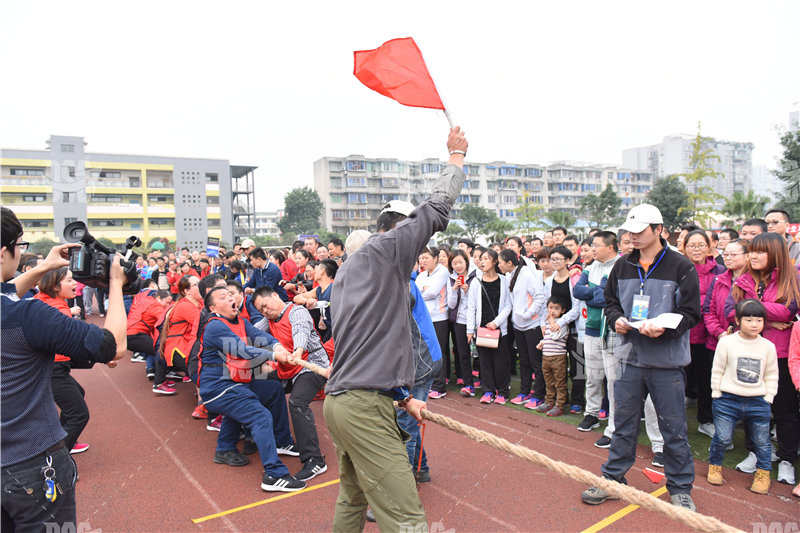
(625, 493)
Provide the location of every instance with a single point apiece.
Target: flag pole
(449, 118)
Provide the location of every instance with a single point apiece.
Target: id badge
(641, 304)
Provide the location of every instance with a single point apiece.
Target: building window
(161, 222)
(356, 182)
(33, 197)
(356, 165)
(508, 171)
(335, 166)
(212, 178)
(104, 174)
(337, 215)
(389, 166)
(356, 198)
(134, 181)
(212, 200)
(69, 148)
(490, 185)
(27, 172)
(336, 183)
(213, 222)
(69, 197)
(32, 223)
(429, 168)
(160, 198)
(491, 198)
(390, 182)
(336, 198)
(533, 173)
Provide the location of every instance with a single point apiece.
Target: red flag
(396, 69)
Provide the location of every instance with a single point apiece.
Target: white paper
(664, 320)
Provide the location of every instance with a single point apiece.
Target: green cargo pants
(373, 464)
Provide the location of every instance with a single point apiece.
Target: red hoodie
(61, 305)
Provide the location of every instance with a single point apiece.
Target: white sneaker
(786, 473)
(774, 457)
(707, 429)
(748, 466)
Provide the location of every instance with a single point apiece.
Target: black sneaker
(312, 468)
(658, 460)
(603, 442)
(249, 447)
(588, 423)
(281, 484)
(151, 374)
(231, 458)
(289, 449)
(422, 476)
(138, 357)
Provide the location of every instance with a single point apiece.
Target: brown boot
(715, 474)
(761, 482)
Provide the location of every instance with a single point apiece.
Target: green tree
(701, 196)
(498, 229)
(266, 241)
(670, 196)
(602, 210)
(451, 234)
(41, 247)
(562, 218)
(789, 172)
(325, 236)
(476, 218)
(529, 215)
(743, 206)
(301, 212)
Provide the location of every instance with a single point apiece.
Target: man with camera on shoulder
(38, 474)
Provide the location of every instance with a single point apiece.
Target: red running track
(150, 468)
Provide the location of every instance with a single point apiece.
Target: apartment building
(267, 224)
(354, 189)
(673, 156)
(182, 199)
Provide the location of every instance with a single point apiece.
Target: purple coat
(706, 272)
(714, 316)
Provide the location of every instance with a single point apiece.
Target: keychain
(51, 486)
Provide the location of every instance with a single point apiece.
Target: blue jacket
(269, 276)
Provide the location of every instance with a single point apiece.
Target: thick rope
(625, 493)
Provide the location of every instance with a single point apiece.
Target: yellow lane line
(619, 514)
(262, 502)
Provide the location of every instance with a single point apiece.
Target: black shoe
(588, 423)
(281, 484)
(312, 468)
(603, 442)
(231, 458)
(249, 447)
(422, 476)
(370, 515)
(289, 449)
(151, 374)
(658, 460)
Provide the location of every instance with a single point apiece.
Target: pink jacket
(706, 272)
(794, 355)
(714, 316)
(776, 312)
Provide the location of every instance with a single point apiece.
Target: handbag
(488, 338)
(485, 337)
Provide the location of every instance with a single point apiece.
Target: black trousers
(462, 353)
(511, 347)
(786, 413)
(442, 329)
(68, 395)
(577, 370)
(24, 506)
(78, 300)
(495, 373)
(530, 361)
(301, 393)
(178, 365)
(142, 343)
(702, 360)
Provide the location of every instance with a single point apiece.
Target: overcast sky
(270, 84)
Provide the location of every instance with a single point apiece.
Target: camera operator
(38, 474)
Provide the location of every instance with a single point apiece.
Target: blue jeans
(666, 387)
(755, 412)
(411, 426)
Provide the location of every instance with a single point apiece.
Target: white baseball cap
(642, 216)
(355, 240)
(398, 206)
(248, 243)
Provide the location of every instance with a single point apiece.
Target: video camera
(91, 263)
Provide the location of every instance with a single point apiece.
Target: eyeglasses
(193, 285)
(696, 246)
(728, 254)
(773, 222)
(23, 245)
(556, 259)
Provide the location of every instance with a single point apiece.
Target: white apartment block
(673, 156)
(267, 224)
(354, 189)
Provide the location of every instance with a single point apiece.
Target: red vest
(282, 330)
(238, 368)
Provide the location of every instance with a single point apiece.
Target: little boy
(554, 360)
(744, 379)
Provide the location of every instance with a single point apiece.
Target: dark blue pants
(666, 387)
(24, 511)
(755, 412)
(410, 425)
(259, 406)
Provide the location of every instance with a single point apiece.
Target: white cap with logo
(398, 206)
(642, 216)
(248, 243)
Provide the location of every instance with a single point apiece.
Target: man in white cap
(650, 281)
(375, 363)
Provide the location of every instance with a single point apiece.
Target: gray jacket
(370, 305)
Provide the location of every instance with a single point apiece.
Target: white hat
(642, 216)
(398, 206)
(248, 243)
(355, 240)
